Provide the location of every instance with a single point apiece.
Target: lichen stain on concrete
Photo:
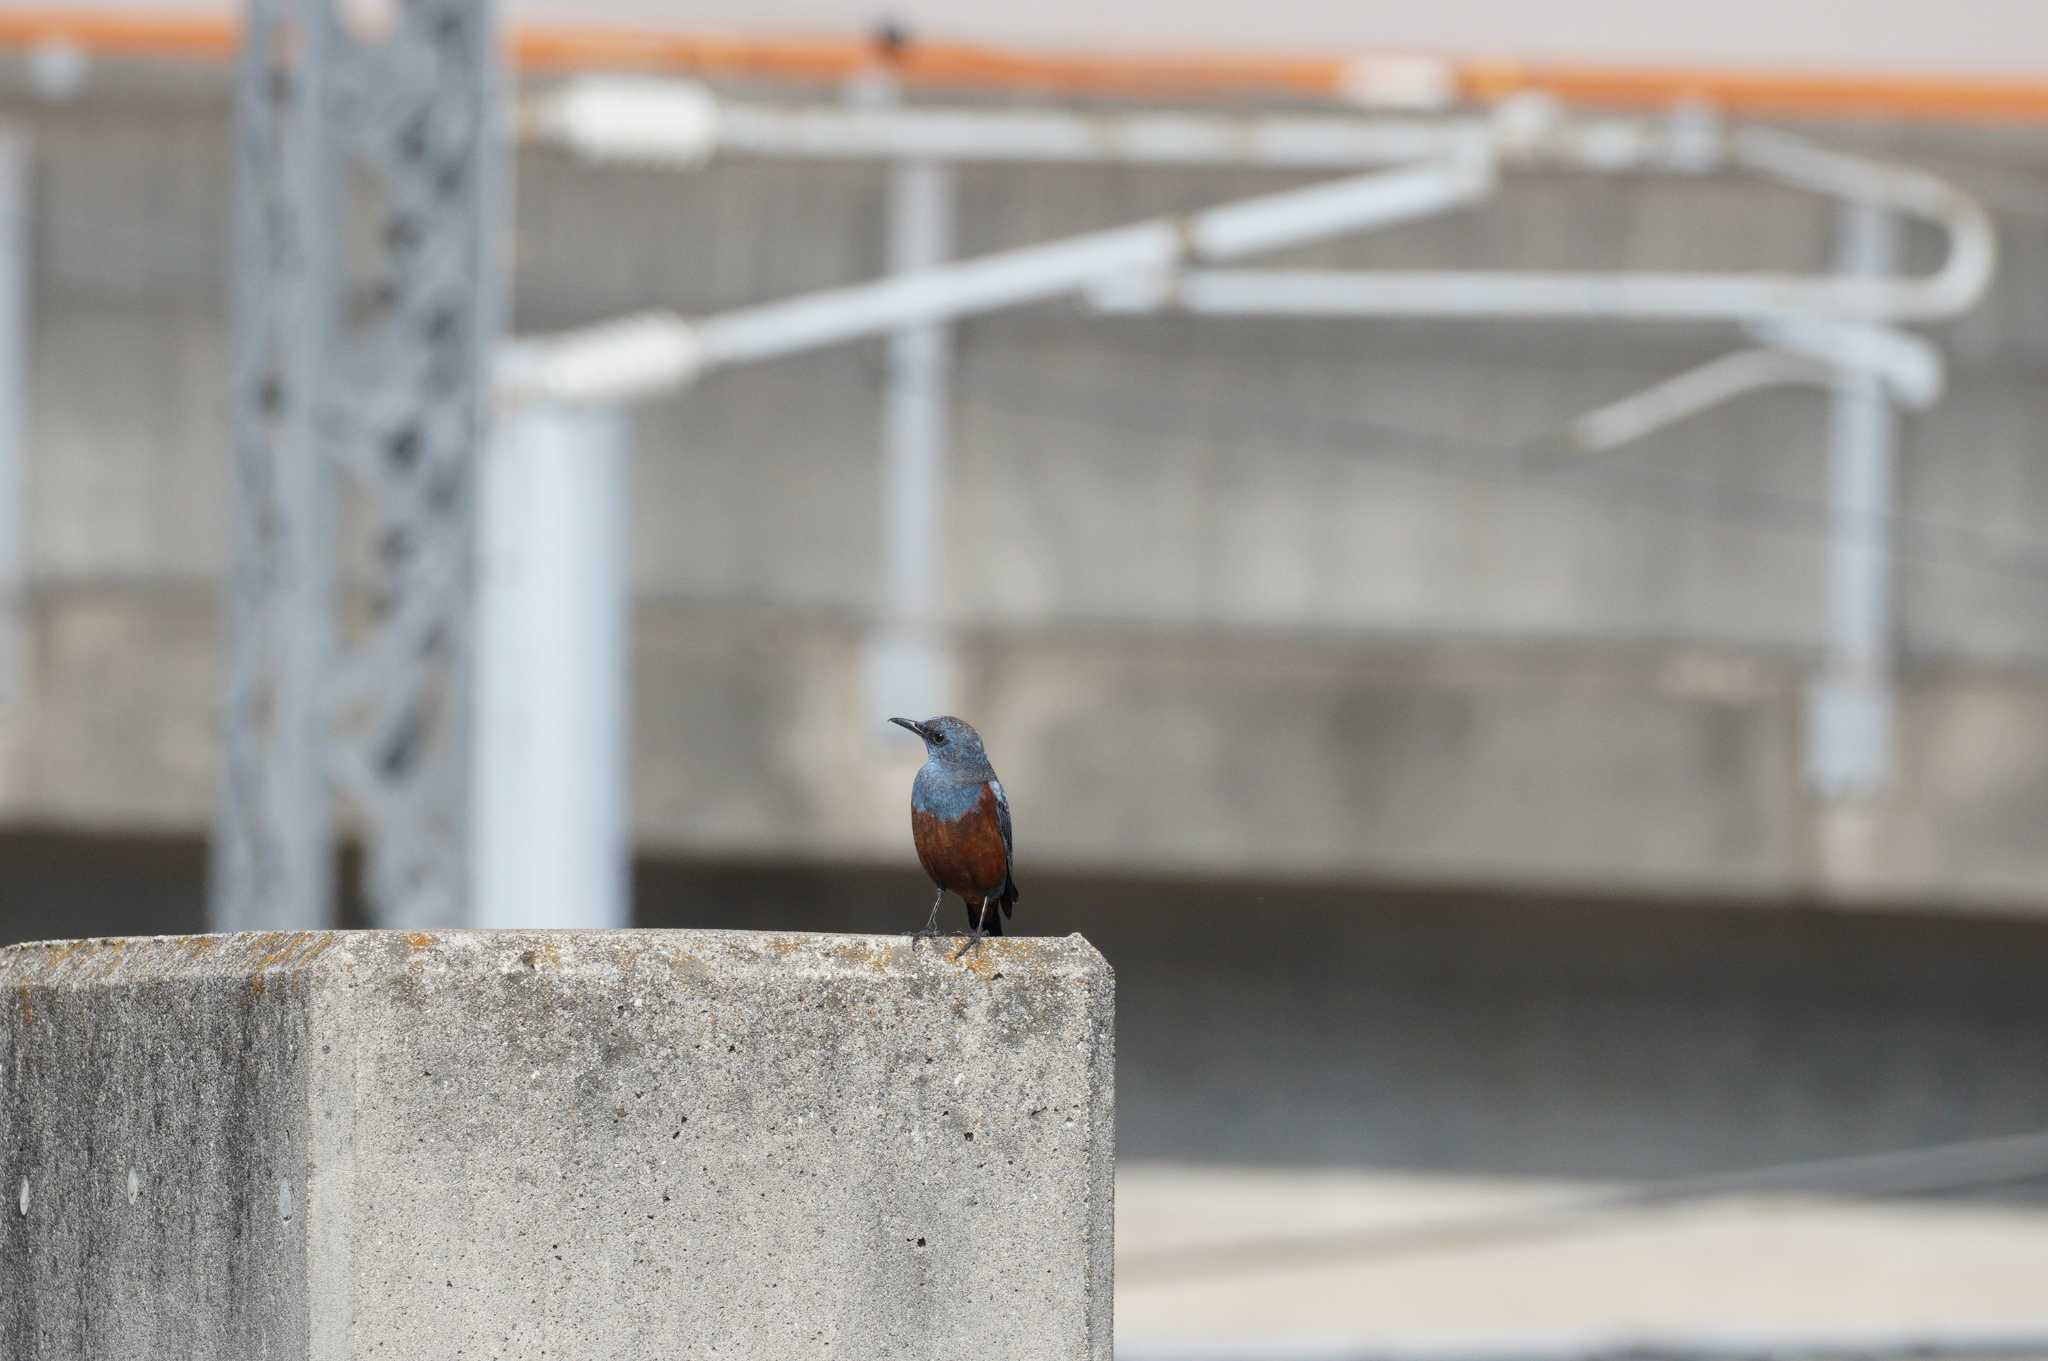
(28, 1007)
(978, 963)
(328, 940)
(418, 941)
(542, 955)
(687, 965)
(878, 958)
(54, 959)
(987, 960)
(282, 949)
(275, 950)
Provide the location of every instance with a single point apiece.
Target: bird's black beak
(914, 726)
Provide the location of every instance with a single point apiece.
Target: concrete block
(619, 1145)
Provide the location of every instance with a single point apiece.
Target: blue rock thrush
(960, 820)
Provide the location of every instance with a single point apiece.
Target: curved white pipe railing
(1143, 267)
(1730, 376)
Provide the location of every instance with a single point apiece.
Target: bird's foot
(931, 923)
(974, 938)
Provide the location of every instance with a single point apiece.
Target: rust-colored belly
(965, 856)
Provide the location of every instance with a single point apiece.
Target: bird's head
(949, 741)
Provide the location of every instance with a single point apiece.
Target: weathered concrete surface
(631, 1144)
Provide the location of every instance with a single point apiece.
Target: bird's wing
(1003, 821)
(1002, 812)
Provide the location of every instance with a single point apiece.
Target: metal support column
(271, 863)
(910, 668)
(358, 383)
(1850, 706)
(548, 797)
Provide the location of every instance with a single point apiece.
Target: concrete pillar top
(604, 1143)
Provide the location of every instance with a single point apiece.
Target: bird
(960, 823)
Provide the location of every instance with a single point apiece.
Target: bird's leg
(978, 934)
(931, 923)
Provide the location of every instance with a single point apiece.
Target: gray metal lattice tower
(365, 317)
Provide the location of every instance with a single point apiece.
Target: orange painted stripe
(931, 64)
(937, 65)
(175, 36)
(1773, 92)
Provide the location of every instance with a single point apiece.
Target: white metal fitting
(614, 361)
(618, 118)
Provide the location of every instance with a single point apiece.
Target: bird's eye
(938, 739)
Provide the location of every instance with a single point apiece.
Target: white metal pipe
(14, 293)
(1516, 294)
(682, 124)
(1696, 390)
(636, 356)
(609, 361)
(909, 669)
(1036, 273)
(1796, 352)
(1031, 274)
(921, 234)
(1950, 290)
(548, 796)
(1087, 138)
(1911, 367)
(1850, 707)
(1318, 212)
(1972, 256)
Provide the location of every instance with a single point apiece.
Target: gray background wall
(1297, 574)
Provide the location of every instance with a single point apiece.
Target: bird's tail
(998, 906)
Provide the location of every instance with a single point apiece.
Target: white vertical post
(1850, 707)
(14, 290)
(548, 790)
(909, 663)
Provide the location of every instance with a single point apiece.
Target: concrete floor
(1785, 1265)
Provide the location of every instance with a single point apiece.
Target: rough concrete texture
(630, 1144)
